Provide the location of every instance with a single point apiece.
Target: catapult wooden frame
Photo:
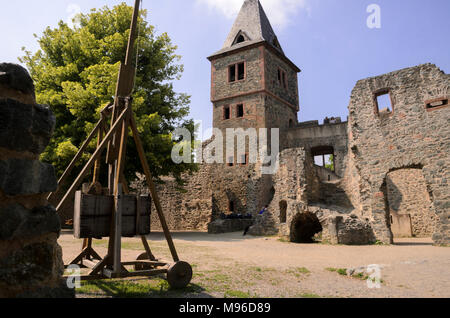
(114, 140)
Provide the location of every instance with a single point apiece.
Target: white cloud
(280, 12)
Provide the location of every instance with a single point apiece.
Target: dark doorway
(304, 226)
(283, 211)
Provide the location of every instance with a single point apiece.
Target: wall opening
(240, 110)
(240, 39)
(226, 112)
(324, 157)
(304, 227)
(231, 207)
(241, 71)
(383, 103)
(291, 123)
(283, 211)
(436, 103)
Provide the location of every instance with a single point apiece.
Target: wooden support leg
(152, 188)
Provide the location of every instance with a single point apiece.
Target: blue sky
(328, 39)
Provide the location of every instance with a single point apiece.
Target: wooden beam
(152, 188)
(75, 159)
(92, 160)
(117, 219)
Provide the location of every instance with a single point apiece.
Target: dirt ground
(231, 265)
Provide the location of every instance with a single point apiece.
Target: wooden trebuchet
(111, 212)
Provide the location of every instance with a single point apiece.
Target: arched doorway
(303, 228)
(409, 204)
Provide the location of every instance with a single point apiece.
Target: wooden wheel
(143, 267)
(179, 275)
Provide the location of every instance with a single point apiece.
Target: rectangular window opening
(241, 71)
(438, 103)
(226, 112)
(240, 110)
(384, 104)
(284, 80)
(232, 73)
(230, 161)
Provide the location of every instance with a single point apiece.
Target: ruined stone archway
(404, 200)
(410, 205)
(303, 228)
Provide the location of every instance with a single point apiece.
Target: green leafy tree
(330, 163)
(75, 73)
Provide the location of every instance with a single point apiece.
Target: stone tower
(253, 85)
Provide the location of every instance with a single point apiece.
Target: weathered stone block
(18, 222)
(26, 177)
(28, 266)
(25, 127)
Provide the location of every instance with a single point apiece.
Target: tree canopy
(75, 73)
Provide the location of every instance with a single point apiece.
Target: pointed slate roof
(253, 24)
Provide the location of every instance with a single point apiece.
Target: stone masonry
(390, 165)
(30, 257)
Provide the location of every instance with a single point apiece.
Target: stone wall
(316, 136)
(410, 136)
(187, 208)
(30, 259)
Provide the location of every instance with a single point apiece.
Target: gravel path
(410, 268)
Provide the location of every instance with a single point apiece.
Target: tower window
(282, 78)
(241, 71)
(236, 72)
(240, 110)
(240, 39)
(226, 112)
(232, 73)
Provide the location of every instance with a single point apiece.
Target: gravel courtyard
(231, 265)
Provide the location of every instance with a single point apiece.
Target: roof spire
(253, 26)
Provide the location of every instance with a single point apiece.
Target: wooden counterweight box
(92, 215)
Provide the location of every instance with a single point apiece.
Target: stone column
(30, 258)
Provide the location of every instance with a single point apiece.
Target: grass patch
(340, 271)
(236, 294)
(309, 295)
(303, 270)
(284, 240)
(134, 288)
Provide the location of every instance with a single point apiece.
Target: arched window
(240, 39)
(291, 123)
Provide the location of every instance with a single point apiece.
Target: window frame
(381, 92)
(236, 66)
(229, 112)
(282, 78)
(237, 110)
(434, 100)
